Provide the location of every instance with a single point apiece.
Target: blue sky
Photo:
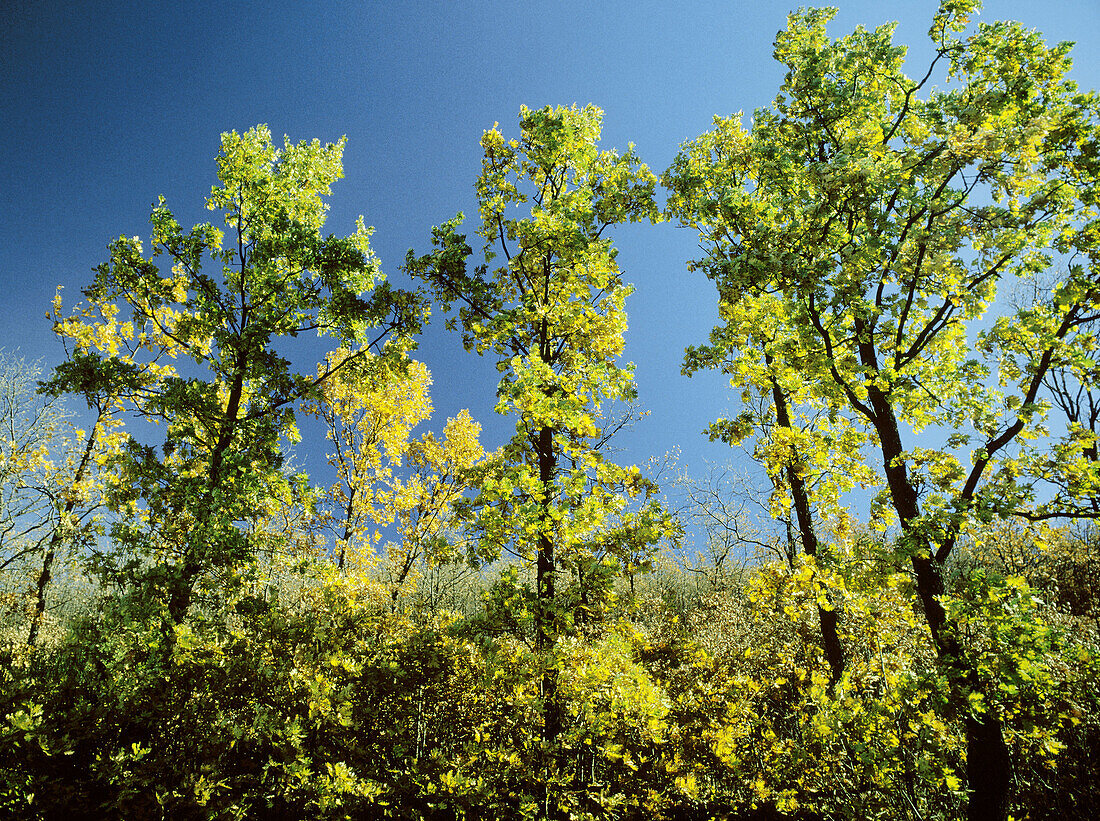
(106, 105)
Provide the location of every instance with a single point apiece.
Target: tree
(32, 428)
(369, 410)
(50, 484)
(551, 312)
(227, 415)
(790, 428)
(858, 232)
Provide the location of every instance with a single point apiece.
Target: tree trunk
(987, 759)
(199, 540)
(988, 769)
(545, 617)
(546, 632)
(828, 619)
(43, 583)
(56, 537)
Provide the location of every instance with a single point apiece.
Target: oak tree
(548, 305)
(858, 231)
(194, 336)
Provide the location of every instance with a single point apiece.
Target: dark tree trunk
(545, 627)
(988, 769)
(546, 634)
(56, 537)
(198, 544)
(43, 584)
(830, 639)
(988, 763)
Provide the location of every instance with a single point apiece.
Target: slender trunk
(546, 634)
(204, 536)
(828, 619)
(406, 567)
(988, 762)
(43, 583)
(182, 587)
(348, 512)
(582, 613)
(545, 627)
(988, 769)
(987, 755)
(57, 537)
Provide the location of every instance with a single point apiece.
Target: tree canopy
(858, 232)
(276, 277)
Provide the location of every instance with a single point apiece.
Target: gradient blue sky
(105, 105)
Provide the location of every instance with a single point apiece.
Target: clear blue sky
(105, 105)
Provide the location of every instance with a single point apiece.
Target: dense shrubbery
(324, 703)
